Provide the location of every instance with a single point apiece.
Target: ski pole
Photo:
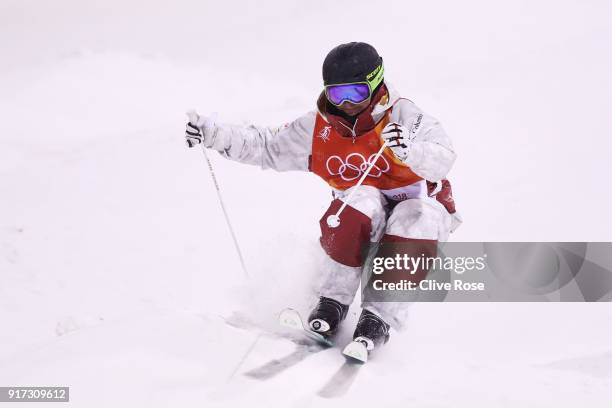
(227, 220)
(333, 220)
(193, 118)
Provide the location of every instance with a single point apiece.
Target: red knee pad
(399, 271)
(348, 242)
(392, 245)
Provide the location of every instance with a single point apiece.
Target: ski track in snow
(118, 276)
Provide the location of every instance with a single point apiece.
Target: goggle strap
(375, 77)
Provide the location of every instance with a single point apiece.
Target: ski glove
(199, 129)
(398, 139)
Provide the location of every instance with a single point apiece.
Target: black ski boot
(326, 316)
(371, 330)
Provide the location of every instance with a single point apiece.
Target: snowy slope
(116, 268)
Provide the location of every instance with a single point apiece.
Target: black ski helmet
(351, 62)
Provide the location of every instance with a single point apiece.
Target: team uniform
(401, 199)
(312, 143)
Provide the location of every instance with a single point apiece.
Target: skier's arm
(431, 154)
(282, 148)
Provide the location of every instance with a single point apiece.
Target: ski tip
(356, 352)
(290, 318)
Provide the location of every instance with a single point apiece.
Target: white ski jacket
(289, 147)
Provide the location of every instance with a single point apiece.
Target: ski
(341, 381)
(276, 366)
(292, 319)
(339, 384)
(304, 348)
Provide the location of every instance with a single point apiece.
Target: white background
(115, 261)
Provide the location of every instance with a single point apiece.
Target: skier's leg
(417, 224)
(346, 246)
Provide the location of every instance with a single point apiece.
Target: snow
(118, 276)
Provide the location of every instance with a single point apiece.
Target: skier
(404, 198)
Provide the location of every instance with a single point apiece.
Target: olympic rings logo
(355, 165)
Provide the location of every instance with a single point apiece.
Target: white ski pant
(367, 219)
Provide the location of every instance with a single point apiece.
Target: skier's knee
(346, 243)
(416, 218)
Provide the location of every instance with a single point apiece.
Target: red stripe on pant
(347, 243)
